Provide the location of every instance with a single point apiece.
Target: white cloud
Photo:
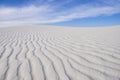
(49, 13)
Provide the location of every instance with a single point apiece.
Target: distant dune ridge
(59, 53)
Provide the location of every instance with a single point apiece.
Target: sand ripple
(59, 54)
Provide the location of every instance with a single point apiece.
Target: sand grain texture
(59, 53)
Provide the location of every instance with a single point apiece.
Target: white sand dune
(59, 53)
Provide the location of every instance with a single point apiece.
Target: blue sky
(61, 12)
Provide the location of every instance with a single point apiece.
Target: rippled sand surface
(59, 53)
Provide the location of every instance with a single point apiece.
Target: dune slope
(59, 53)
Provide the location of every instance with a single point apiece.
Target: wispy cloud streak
(52, 11)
